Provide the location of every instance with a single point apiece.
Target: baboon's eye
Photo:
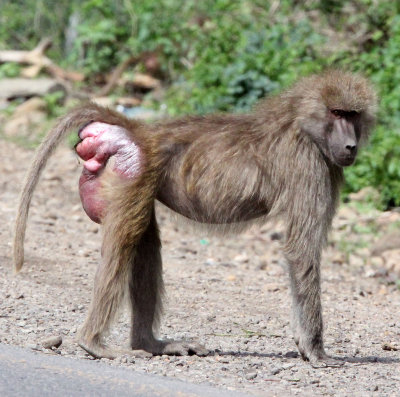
(337, 112)
(347, 114)
(352, 113)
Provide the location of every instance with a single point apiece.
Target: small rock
(383, 290)
(263, 265)
(287, 366)
(250, 375)
(389, 346)
(241, 258)
(94, 229)
(54, 341)
(276, 370)
(339, 257)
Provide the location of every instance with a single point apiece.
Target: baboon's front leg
(304, 269)
(307, 317)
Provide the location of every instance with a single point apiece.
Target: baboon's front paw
(324, 361)
(316, 355)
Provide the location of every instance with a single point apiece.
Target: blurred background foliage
(222, 55)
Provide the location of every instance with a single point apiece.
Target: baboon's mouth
(345, 161)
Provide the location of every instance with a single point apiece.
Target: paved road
(25, 373)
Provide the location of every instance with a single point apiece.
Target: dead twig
(37, 60)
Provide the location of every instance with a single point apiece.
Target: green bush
(379, 164)
(235, 66)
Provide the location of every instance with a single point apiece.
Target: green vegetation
(222, 55)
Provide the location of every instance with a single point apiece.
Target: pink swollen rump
(100, 142)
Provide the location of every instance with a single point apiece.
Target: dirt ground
(231, 293)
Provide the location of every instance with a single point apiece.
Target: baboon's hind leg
(124, 225)
(145, 293)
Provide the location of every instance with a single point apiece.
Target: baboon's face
(342, 136)
(337, 111)
(336, 132)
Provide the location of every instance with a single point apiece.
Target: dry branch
(142, 80)
(113, 80)
(38, 61)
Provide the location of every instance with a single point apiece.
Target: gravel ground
(230, 293)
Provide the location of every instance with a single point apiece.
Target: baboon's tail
(75, 119)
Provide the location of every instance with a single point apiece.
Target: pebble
(275, 371)
(250, 375)
(288, 366)
(390, 346)
(54, 341)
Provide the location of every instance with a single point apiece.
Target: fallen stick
(39, 60)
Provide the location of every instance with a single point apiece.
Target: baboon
(284, 159)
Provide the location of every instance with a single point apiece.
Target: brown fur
(220, 170)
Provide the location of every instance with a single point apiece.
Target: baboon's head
(337, 110)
